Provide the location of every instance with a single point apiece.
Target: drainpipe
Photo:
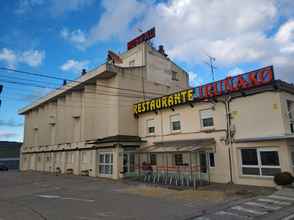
(228, 133)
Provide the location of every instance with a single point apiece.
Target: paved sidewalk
(279, 205)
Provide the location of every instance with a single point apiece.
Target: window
(70, 157)
(105, 164)
(290, 109)
(83, 156)
(211, 159)
(260, 162)
(132, 63)
(174, 76)
(206, 117)
(179, 159)
(175, 122)
(153, 159)
(150, 127)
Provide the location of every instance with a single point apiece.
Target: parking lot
(32, 195)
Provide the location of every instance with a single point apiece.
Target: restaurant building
(237, 130)
(136, 116)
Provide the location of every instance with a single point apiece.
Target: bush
(284, 178)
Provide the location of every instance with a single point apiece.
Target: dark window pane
(249, 157)
(207, 122)
(211, 159)
(153, 159)
(178, 159)
(269, 158)
(151, 130)
(270, 171)
(176, 125)
(250, 171)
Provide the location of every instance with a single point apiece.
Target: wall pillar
(93, 166)
(63, 162)
(77, 162)
(117, 161)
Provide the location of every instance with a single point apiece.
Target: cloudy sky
(61, 37)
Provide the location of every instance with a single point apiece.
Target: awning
(190, 145)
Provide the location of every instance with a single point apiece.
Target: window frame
(201, 119)
(259, 165)
(209, 161)
(171, 123)
(290, 115)
(153, 161)
(147, 127)
(182, 159)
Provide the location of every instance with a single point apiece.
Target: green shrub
(284, 178)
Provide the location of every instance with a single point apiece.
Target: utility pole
(210, 64)
(1, 88)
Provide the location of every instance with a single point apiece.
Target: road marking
(290, 217)
(231, 214)
(240, 208)
(65, 198)
(49, 196)
(201, 218)
(281, 197)
(274, 201)
(262, 205)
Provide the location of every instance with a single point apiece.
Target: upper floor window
(175, 123)
(150, 126)
(206, 118)
(260, 162)
(179, 159)
(132, 63)
(290, 110)
(174, 75)
(153, 159)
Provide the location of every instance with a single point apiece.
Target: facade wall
(256, 116)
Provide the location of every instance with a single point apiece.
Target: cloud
(75, 37)
(194, 79)
(54, 7)
(26, 6)
(10, 123)
(74, 65)
(60, 7)
(7, 134)
(115, 20)
(235, 71)
(31, 58)
(8, 56)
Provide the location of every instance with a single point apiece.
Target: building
(237, 130)
(9, 154)
(88, 126)
(136, 116)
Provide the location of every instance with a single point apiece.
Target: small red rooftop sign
(143, 37)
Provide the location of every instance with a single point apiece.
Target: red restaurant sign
(228, 85)
(143, 37)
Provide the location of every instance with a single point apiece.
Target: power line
(75, 81)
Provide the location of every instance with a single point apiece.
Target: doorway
(129, 163)
(203, 165)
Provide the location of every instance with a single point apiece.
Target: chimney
(84, 72)
(161, 50)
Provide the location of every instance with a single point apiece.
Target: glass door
(203, 165)
(105, 164)
(129, 163)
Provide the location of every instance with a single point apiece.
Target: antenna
(210, 64)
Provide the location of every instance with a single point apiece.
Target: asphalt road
(34, 196)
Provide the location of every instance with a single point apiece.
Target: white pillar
(93, 171)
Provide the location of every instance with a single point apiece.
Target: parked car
(3, 167)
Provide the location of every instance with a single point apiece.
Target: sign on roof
(143, 37)
(225, 86)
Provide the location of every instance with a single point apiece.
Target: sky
(61, 37)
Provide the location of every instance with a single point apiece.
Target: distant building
(10, 153)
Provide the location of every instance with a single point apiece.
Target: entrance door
(105, 164)
(203, 165)
(129, 163)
